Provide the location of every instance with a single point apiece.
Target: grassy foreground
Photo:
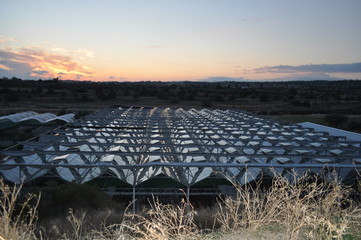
(310, 209)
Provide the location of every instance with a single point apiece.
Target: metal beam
(182, 165)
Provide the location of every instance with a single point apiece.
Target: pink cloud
(38, 62)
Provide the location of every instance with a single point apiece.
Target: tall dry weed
(163, 221)
(85, 224)
(311, 208)
(17, 221)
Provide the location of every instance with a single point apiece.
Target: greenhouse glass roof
(33, 117)
(136, 144)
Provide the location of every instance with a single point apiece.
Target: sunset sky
(176, 40)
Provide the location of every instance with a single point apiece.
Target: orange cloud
(5, 40)
(2, 66)
(35, 62)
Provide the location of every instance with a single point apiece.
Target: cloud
(154, 46)
(40, 72)
(79, 76)
(222, 79)
(303, 77)
(3, 67)
(4, 40)
(288, 77)
(251, 19)
(115, 78)
(16, 69)
(87, 53)
(80, 53)
(32, 62)
(314, 68)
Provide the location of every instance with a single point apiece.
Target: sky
(181, 40)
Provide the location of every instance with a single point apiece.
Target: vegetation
(267, 98)
(17, 221)
(335, 119)
(312, 208)
(302, 98)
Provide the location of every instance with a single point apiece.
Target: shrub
(57, 199)
(218, 97)
(299, 103)
(354, 125)
(207, 103)
(335, 119)
(82, 113)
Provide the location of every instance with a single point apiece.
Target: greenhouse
(134, 145)
(30, 117)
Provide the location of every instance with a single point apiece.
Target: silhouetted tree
(12, 96)
(335, 119)
(354, 125)
(207, 103)
(263, 97)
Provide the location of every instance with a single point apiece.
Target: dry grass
(310, 209)
(83, 224)
(163, 222)
(17, 221)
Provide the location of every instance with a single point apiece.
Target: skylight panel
(316, 144)
(241, 159)
(266, 150)
(282, 159)
(193, 149)
(336, 151)
(231, 150)
(301, 151)
(222, 142)
(323, 160)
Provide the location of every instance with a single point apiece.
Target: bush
(207, 103)
(82, 113)
(335, 119)
(354, 125)
(218, 97)
(61, 112)
(12, 96)
(174, 100)
(58, 199)
(299, 103)
(263, 97)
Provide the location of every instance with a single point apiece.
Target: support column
(134, 199)
(20, 178)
